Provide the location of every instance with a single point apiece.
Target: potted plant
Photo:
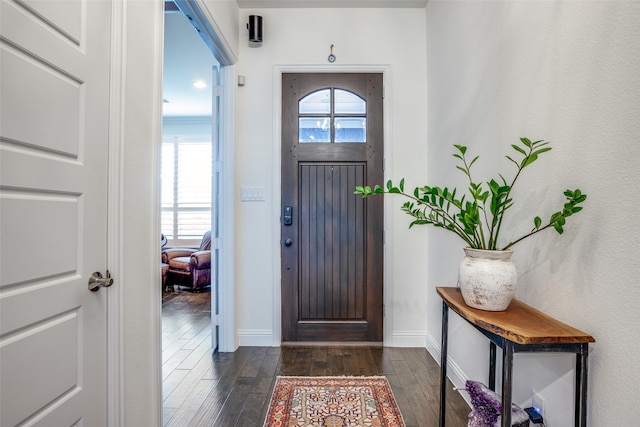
(477, 218)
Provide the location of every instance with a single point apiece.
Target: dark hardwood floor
(233, 389)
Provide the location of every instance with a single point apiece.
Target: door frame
(385, 70)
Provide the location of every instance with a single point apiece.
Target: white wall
(301, 38)
(566, 72)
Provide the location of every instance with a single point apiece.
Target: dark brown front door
(332, 240)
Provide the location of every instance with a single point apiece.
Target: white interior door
(54, 111)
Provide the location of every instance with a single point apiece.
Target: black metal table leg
(582, 360)
(443, 363)
(507, 379)
(492, 366)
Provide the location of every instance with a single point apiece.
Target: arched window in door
(332, 116)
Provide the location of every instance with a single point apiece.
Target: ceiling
(186, 59)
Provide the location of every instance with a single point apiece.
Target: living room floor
(234, 389)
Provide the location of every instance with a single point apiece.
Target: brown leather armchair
(188, 266)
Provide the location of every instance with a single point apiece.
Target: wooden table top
(520, 323)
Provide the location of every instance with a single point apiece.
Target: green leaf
(528, 160)
(518, 149)
(473, 161)
(542, 150)
(402, 185)
(516, 163)
(537, 221)
(461, 148)
(463, 170)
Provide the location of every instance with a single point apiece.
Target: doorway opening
(197, 159)
(197, 192)
(187, 159)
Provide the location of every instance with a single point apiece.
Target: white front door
(54, 123)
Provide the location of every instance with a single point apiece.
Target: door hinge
(217, 90)
(218, 166)
(216, 320)
(216, 243)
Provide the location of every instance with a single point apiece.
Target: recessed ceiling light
(199, 84)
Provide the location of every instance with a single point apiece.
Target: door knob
(288, 242)
(96, 281)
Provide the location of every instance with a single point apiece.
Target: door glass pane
(318, 102)
(314, 129)
(349, 103)
(351, 129)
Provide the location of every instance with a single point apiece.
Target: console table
(520, 328)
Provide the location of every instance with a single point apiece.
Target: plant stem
(495, 231)
(527, 235)
(451, 220)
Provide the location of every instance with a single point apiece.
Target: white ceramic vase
(487, 279)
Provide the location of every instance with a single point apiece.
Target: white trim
(197, 11)
(226, 295)
(255, 337)
(454, 372)
(115, 241)
(409, 339)
(156, 295)
(278, 70)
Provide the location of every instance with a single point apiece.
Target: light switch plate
(252, 194)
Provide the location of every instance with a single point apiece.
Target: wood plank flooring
(233, 389)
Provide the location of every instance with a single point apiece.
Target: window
(332, 115)
(186, 188)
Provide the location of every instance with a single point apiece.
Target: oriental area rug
(333, 402)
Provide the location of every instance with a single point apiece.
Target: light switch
(252, 194)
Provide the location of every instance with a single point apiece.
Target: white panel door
(54, 112)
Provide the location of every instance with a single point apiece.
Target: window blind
(186, 188)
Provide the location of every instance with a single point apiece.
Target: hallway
(233, 389)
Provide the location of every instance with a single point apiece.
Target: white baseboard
(254, 338)
(455, 374)
(407, 339)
